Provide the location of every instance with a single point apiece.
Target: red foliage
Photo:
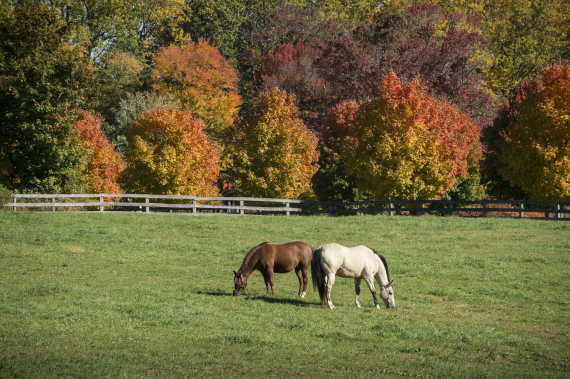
(341, 122)
(202, 80)
(408, 144)
(421, 42)
(104, 163)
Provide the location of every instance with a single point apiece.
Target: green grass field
(139, 296)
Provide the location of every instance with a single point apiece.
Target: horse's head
(240, 282)
(387, 295)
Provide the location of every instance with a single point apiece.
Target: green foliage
(118, 75)
(358, 10)
(273, 153)
(5, 197)
(130, 108)
(218, 21)
(42, 77)
(96, 24)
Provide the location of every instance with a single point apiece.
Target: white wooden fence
(193, 205)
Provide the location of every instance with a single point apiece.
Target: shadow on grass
(214, 293)
(274, 300)
(266, 298)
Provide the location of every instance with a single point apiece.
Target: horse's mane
(250, 253)
(383, 261)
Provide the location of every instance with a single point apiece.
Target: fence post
(241, 211)
(194, 203)
(420, 206)
(287, 211)
(361, 212)
(450, 206)
(53, 202)
(484, 209)
(390, 207)
(147, 208)
(557, 208)
(100, 203)
(15, 207)
(521, 213)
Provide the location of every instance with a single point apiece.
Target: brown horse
(269, 258)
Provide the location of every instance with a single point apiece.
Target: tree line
(337, 100)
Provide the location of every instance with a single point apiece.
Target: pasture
(147, 296)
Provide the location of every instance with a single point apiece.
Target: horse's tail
(317, 274)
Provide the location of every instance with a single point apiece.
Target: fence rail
(193, 205)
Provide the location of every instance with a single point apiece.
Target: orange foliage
(274, 153)
(170, 154)
(408, 145)
(536, 150)
(202, 80)
(104, 164)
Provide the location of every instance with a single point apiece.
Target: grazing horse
(358, 262)
(269, 258)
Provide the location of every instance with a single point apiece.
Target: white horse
(358, 262)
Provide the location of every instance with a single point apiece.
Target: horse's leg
(270, 273)
(300, 277)
(357, 290)
(329, 281)
(305, 281)
(370, 282)
(267, 282)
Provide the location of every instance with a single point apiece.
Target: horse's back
(347, 262)
(288, 256)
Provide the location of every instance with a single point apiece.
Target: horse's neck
(382, 275)
(248, 264)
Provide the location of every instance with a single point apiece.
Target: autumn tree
(443, 51)
(218, 21)
(525, 36)
(273, 153)
(43, 76)
(533, 152)
(169, 153)
(102, 164)
(138, 26)
(409, 145)
(129, 109)
(202, 81)
(118, 74)
(333, 182)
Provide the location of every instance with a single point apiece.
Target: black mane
(383, 261)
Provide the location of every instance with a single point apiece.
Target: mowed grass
(139, 296)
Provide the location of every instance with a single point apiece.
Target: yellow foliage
(274, 153)
(170, 154)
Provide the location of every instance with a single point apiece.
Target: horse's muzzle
(237, 293)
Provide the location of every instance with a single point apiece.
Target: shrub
(5, 197)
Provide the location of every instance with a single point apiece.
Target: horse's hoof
(302, 296)
(377, 306)
(358, 305)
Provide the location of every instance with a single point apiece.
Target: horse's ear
(390, 284)
(235, 273)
